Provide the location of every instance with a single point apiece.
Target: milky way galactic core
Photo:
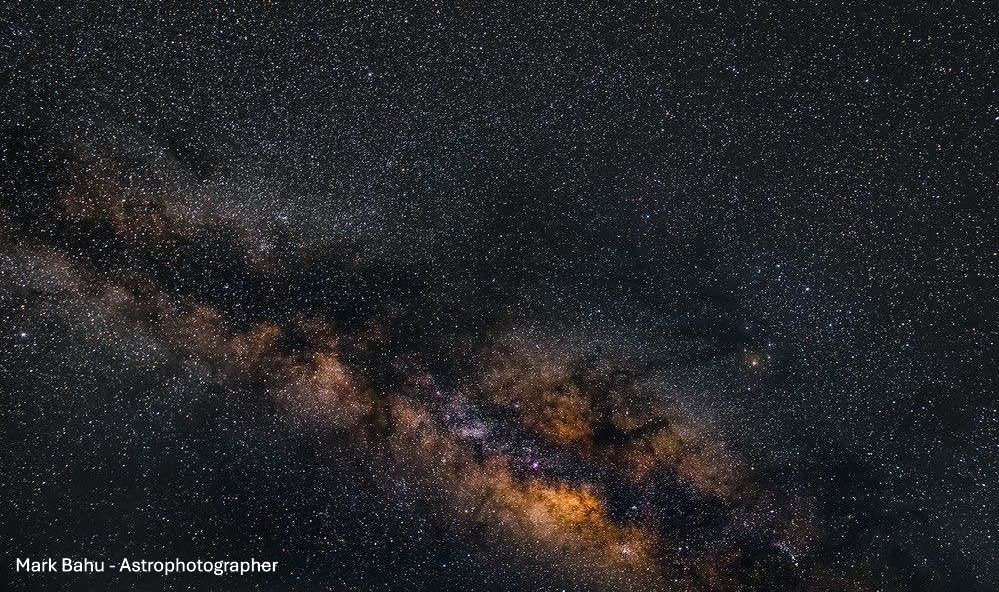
(629, 297)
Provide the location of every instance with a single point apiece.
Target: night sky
(449, 297)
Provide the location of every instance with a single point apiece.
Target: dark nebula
(448, 297)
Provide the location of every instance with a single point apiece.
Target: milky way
(622, 299)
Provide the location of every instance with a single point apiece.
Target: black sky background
(680, 183)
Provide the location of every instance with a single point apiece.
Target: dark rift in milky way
(527, 440)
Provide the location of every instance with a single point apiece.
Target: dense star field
(452, 297)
